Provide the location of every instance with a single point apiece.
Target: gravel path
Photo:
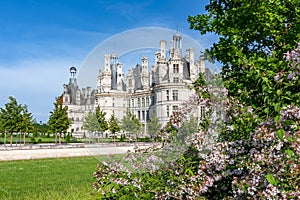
(38, 153)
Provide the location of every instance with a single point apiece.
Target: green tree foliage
(27, 122)
(113, 125)
(58, 120)
(259, 157)
(100, 114)
(253, 37)
(153, 126)
(131, 124)
(15, 118)
(91, 123)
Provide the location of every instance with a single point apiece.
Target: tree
(153, 126)
(58, 120)
(262, 87)
(2, 130)
(91, 123)
(103, 125)
(253, 39)
(26, 124)
(11, 117)
(113, 125)
(131, 124)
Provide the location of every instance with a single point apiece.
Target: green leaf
(278, 92)
(272, 180)
(277, 119)
(280, 133)
(289, 152)
(189, 171)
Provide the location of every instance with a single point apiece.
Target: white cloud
(35, 83)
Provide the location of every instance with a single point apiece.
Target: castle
(157, 92)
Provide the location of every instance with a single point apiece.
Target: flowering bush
(253, 157)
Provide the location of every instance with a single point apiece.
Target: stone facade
(159, 91)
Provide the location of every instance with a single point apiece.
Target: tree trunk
(16, 139)
(5, 138)
(11, 138)
(24, 138)
(60, 138)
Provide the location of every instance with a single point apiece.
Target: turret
(113, 67)
(162, 44)
(144, 65)
(107, 63)
(176, 46)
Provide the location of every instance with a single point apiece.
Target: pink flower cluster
(263, 165)
(294, 58)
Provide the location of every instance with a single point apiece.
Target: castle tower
(113, 67)
(104, 77)
(73, 86)
(120, 77)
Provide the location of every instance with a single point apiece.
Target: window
(175, 95)
(139, 115)
(167, 95)
(132, 102)
(143, 102)
(175, 68)
(113, 105)
(139, 102)
(168, 111)
(143, 115)
(175, 108)
(176, 80)
(153, 100)
(147, 101)
(130, 83)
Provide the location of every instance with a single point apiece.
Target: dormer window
(175, 68)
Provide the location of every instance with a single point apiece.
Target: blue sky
(40, 40)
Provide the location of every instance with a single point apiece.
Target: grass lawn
(55, 179)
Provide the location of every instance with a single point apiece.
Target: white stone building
(159, 91)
